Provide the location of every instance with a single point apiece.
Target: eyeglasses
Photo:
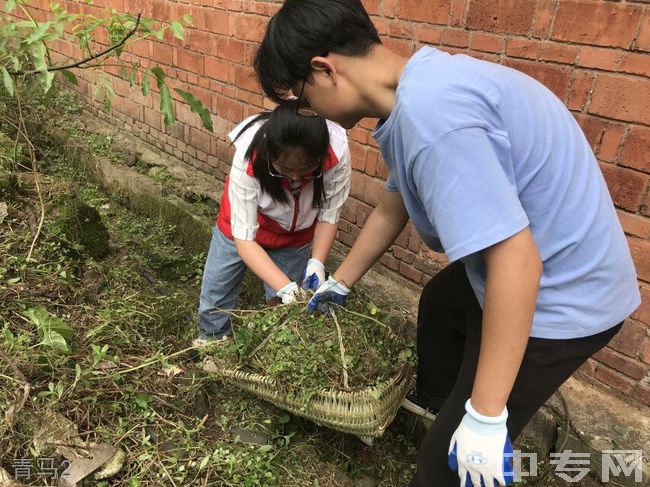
(305, 112)
(309, 171)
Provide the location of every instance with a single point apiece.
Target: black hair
(303, 29)
(283, 132)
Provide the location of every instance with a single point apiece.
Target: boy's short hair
(302, 29)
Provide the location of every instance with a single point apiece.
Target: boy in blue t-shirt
(493, 170)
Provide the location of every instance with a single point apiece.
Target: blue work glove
(480, 450)
(314, 275)
(331, 291)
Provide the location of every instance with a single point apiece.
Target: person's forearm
(514, 270)
(383, 226)
(324, 237)
(261, 264)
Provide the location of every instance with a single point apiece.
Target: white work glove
(291, 293)
(314, 275)
(480, 449)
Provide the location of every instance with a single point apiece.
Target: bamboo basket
(365, 413)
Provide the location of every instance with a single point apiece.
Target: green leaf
(7, 81)
(46, 78)
(133, 76)
(145, 84)
(134, 482)
(38, 33)
(166, 106)
(187, 18)
(10, 6)
(177, 30)
(38, 54)
(107, 103)
(197, 107)
(70, 76)
(54, 332)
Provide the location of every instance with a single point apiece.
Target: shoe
(415, 405)
(203, 342)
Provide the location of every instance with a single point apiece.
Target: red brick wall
(594, 54)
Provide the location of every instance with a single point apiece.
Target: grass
(101, 343)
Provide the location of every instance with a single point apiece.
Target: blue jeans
(222, 276)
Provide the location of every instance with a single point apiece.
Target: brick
(230, 49)
(641, 254)
(374, 190)
(140, 48)
(558, 53)
(626, 365)
(511, 16)
(410, 272)
(349, 211)
(643, 40)
(642, 393)
(346, 238)
(636, 151)
(626, 187)
(614, 379)
(636, 63)
(414, 240)
(593, 129)
(621, 98)
(522, 48)
(580, 89)
(642, 313)
(611, 142)
(431, 11)
(588, 368)
(358, 184)
(426, 266)
(358, 155)
(217, 69)
(555, 77)
(200, 139)
(403, 238)
(403, 255)
(609, 23)
(372, 161)
(457, 14)
(400, 46)
(389, 261)
(456, 38)
(190, 61)
(486, 42)
(250, 27)
(637, 226)
(216, 21)
(599, 57)
(246, 79)
(543, 18)
(398, 28)
(163, 54)
(373, 7)
(203, 42)
(230, 109)
(363, 211)
(645, 353)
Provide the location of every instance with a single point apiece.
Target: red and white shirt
(248, 213)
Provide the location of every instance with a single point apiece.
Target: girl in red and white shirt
(289, 179)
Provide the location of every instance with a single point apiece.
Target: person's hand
(480, 450)
(314, 275)
(331, 291)
(291, 293)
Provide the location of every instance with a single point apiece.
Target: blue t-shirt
(479, 152)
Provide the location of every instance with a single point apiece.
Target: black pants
(448, 342)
